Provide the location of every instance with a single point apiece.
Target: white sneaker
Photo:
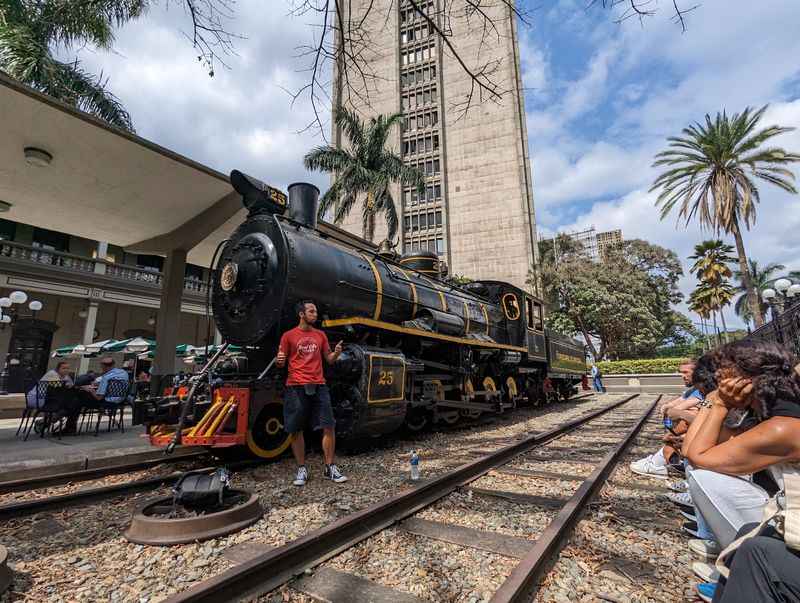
(683, 499)
(302, 476)
(705, 571)
(681, 486)
(705, 549)
(649, 467)
(332, 473)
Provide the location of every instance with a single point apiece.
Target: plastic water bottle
(414, 466)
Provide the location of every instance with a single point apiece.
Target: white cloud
(242, 117)
(648, 83)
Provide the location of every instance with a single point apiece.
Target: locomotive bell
(303, 203)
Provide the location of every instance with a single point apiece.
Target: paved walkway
(84, 451)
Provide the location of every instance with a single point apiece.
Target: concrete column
(169, 316)
(88, 332)
(102, 252)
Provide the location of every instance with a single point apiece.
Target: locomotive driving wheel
(449, 417)
(417, 419)
(511, 391)
(469, 392)
(266, 437)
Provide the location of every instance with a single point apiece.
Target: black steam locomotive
(418, 350)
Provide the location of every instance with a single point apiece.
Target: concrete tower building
(477, 211)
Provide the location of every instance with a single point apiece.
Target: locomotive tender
(418, 350)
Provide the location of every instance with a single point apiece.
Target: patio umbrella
(99, 346)
(77, 350)
(133, 345)
(185, 349)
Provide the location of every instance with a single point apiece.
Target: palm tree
(711, 261)
(700, 307)
(711, 268)
(32, 32)
(712, 298)
(366, 170)
(760, 278)
(711, 176)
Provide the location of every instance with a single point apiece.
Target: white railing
(75, 263)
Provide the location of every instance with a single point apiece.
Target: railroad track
(85, 495)
(43, 480)
(270, 570)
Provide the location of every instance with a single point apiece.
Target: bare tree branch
(641, 9)
(209, 37)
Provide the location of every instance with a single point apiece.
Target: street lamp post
(781, 295)
(10, 313)
(11, 308)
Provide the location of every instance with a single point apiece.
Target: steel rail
(32, 506)
(81, 475)
(277, 566)
(26, 507)
(522, 584)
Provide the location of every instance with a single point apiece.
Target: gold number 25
(386, 378)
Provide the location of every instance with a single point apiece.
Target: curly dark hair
(704, 375)
(772, 369)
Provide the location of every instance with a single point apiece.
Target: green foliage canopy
(623, 302)
(366, 169)
(31, 33)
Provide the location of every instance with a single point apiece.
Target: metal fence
(784, 329)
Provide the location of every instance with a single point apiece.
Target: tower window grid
(423, 226)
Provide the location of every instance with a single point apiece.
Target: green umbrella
(130, 346)
(99, 346)
(76, 350)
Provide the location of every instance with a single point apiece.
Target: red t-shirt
(304, 351)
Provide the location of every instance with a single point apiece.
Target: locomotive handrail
(266, 370)
(176, 439)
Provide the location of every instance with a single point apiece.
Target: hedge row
(628, 367)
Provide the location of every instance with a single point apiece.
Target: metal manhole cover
(152, 524)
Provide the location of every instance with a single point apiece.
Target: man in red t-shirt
(306, 393)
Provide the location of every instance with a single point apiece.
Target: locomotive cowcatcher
(419, 351)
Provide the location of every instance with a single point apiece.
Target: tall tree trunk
(724, 326)
(716, 328)
(747, 280)
(586, 337)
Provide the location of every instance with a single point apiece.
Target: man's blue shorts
(298, 406)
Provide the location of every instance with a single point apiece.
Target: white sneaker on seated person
(704, 549)
(654, 465)
(705, 571)
(681, 486)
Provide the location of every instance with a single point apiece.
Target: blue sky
(601, 98)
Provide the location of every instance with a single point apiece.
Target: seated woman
(760, 377)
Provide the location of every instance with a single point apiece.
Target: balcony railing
(76, 263)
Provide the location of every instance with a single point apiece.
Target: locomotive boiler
(418, 350)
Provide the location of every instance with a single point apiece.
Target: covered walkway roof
(106, 184)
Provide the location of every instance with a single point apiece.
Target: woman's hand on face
(735, 392)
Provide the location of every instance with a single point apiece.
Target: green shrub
(629, 367)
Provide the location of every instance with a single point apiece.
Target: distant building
(596, 244)
(477, 210)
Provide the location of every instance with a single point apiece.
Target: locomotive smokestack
(303, 203)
